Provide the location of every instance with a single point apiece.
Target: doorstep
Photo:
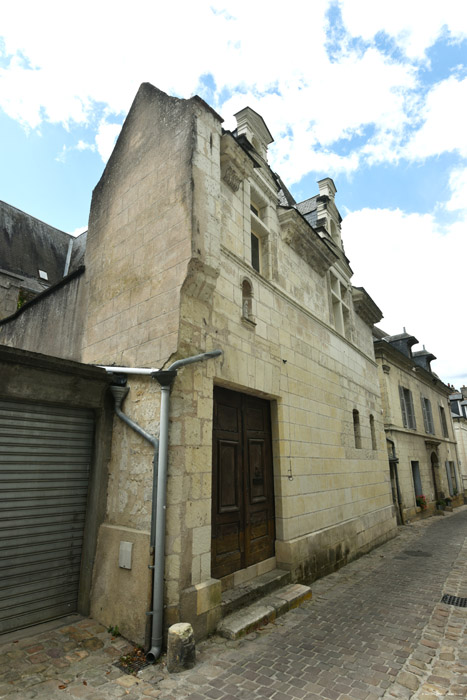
(258, 602)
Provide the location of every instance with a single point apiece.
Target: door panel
(228, 475)
(243, 500)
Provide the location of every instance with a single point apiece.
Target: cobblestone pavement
(375, 629)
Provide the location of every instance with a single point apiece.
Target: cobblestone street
(377, 628)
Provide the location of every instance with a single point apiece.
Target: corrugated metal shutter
(45, 457)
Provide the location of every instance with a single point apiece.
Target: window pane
(255, 252)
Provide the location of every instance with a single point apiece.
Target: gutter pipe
(119, 393)
(128, 370)
(159, 507)
(165, 379)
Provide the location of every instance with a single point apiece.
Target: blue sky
(371, 94)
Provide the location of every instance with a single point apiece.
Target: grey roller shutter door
(45, 458)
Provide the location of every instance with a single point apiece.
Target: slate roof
(309, 209)
(28, 245)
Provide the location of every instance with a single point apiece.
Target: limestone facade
(420, 435)
(172, 269)
(195, 244)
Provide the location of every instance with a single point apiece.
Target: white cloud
(443, 117)
(84, 146)
(414, 25)
(412, 268)
(280, 68)
(106, 137)
(458, 185)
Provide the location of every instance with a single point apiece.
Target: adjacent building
(458, 401)
(419, 433)
(33, 257)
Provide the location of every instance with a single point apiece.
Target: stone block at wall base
(122, 597)
(200, 605)
(320, 553)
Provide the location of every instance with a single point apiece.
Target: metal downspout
(165, 379)
(119, 393)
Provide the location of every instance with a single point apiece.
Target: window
(255, 252)
(408, 414)
(444, 425)
(417, 482)
(356, 429)
(427, 416)
(452, 478)
(340, 307)
(259, 233)
(374, 445)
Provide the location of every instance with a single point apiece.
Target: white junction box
(124, 557)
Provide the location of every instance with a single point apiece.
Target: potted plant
(421, 502)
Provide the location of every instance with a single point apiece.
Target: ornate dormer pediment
(236, 165)
(304, 240)
(251, 125)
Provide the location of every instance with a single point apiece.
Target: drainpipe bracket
(165, 377)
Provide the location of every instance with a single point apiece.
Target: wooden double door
(243, 495)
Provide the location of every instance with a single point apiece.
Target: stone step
(252, 590)
(266, 610)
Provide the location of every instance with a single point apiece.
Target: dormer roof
(402, 342)
(423, 358)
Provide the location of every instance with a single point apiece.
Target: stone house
(458, 401)
(276, 457)
(419, 432)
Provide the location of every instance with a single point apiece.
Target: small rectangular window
(408, 413)
(427, 416)
(255, 246)
(444, 425)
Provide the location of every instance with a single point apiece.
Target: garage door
(45, 457)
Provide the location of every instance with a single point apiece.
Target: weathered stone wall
(145, 239)
(52, 323)
(10, 285)
(139, 238)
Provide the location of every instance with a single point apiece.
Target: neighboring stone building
(33, 257)
(458, 401)
(277, 454)
(419, 431)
